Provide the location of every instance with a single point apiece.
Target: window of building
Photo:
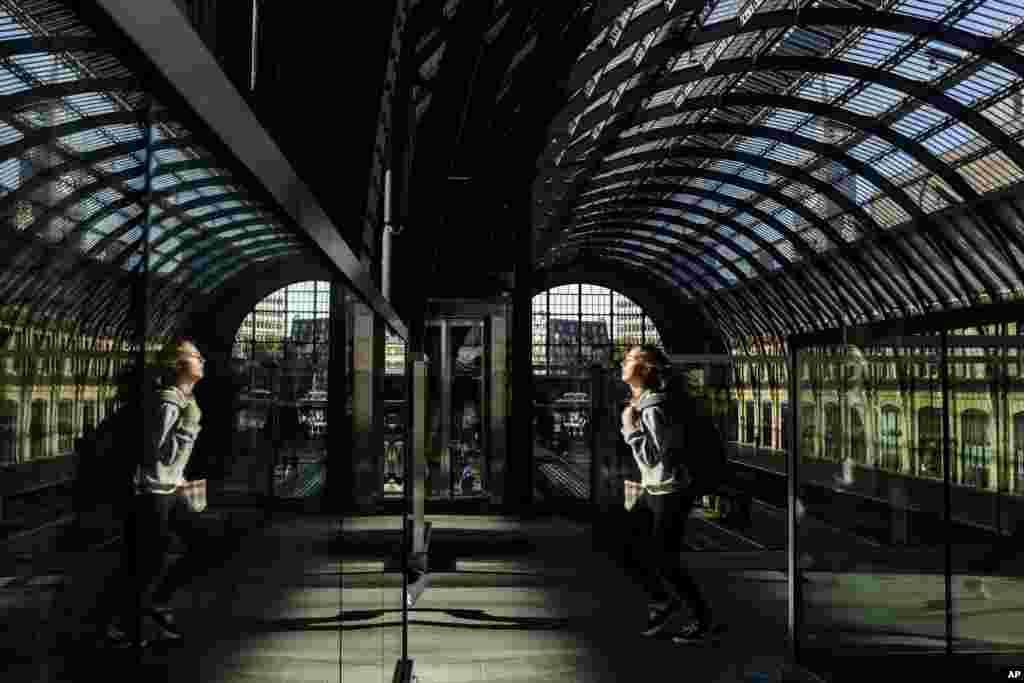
(749, 433)
(88, 416)
(889, 438)
(38, 429)
(808, 425)
(929, 442)
(8, 432)
(65, 426)
(578, 325)
(975, 450)
(290, 353)
(858, 436)
(767, 439)
(833, 432)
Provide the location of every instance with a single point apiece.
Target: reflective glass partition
(580, 334)
(396, 417)
(280, 364)
(457, 409)
(986, 405)
(871, 529)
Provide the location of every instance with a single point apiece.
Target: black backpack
(703, 447)
(107, 458)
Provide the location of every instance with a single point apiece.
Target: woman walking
(665, 498)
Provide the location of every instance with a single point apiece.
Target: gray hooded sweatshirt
(656, 446)
(168, 451)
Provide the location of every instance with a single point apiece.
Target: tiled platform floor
(524, 600)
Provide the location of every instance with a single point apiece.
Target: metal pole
(792, 488)
(385, 251)
(946, 490)
(141, 327)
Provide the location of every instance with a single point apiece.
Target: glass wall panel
(281, 365)
(870, 514)
(986, 401)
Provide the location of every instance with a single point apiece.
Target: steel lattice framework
(793, 165)
(77, 129)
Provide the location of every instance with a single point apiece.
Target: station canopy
(77, 134)
(796, 166)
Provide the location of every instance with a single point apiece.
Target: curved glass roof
(825, 164)
(77, 133)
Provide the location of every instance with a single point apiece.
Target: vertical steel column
(520, 483)
(946, 490)
(792, 528)
(340, 486)
(385, 249)
(142, 284)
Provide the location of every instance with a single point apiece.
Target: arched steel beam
(183, 209)
(859, 298)
(204, 279)
(890, 289)
(899, 252)
(122, 204)
(772, 300)
(752, 308)
(988, 48)
(825, 150)
(83, 162)
(631, 204)
(15, 102)
(788, 289)
(887, 289)
(43, 136)
(869, 126)
(820, 65)
(730, 312)
(212, 233)
(719, 322)
(626, 218)
(62, 43)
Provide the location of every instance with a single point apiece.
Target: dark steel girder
(796, 295)
(865, 124)
(765, 314)
(723, 323)
(628, 235)
(79, 278)
(178, 209)
(826, 289)
(916, 89)
(797, 270)
(898, 196)
(43, 136)
(212, 233)
(732, 312)
(860, 299)
(84, 162)
(259, 242)
(767, 190)
(624, 217)
(806, 17)
(784, 200)
(988, 48)
(203, 282)
(41, 94)
(64, 43)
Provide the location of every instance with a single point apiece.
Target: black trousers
(660, 525)
(143, 578)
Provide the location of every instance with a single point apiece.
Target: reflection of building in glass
(394, 354)
(268, 322)
(574, 324)
(880, 409)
